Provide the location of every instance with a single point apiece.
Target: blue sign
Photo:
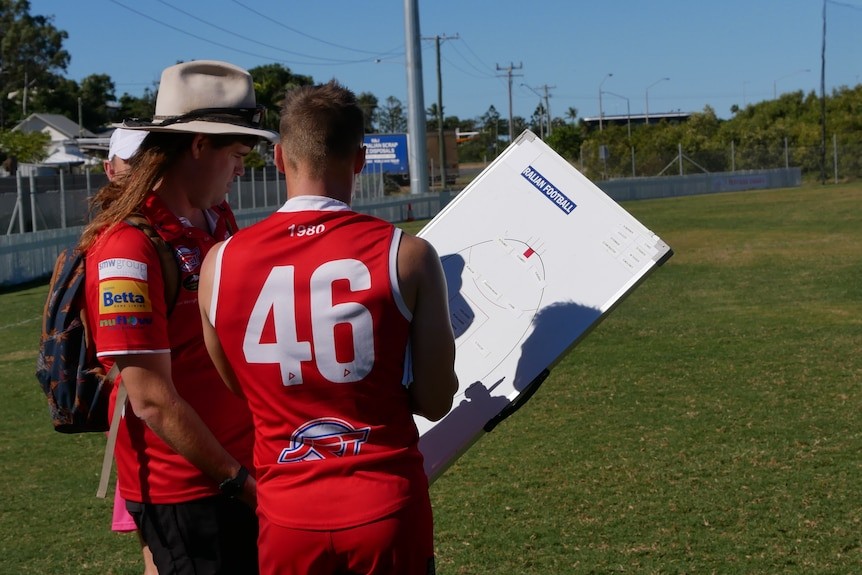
(386, 153)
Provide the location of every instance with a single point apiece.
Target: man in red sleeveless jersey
(335, 328)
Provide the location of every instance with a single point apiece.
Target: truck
(387, 154)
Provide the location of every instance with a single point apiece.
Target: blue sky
(714, 52)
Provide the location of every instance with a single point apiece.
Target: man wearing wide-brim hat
(184, 446)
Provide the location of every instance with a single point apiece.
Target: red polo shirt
(128, 316)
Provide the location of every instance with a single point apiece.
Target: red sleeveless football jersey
(307, 308)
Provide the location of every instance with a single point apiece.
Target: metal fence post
(835, 155)
(238, 193)
(278, 188)
(62, 200)
(32, 203)
(732, 156)
(265, 188)
(253, 191)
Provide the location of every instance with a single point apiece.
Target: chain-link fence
(618, 159)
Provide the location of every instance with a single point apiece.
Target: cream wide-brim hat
(205, 97)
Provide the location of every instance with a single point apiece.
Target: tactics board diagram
(535, 256)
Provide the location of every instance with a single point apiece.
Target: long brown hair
(125, 195)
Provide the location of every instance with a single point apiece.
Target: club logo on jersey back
(324, 438)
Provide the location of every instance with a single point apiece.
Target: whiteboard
(535, 256)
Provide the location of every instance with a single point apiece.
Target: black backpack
(70, 375)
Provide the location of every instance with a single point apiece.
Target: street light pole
(775, 82)
(417, 144)
(629, 122)
(628, 110)
(646, 98)
(601, 113)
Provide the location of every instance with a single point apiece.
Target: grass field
(713, 424)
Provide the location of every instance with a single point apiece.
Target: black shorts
(212, 536)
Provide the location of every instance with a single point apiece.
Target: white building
(65, 147)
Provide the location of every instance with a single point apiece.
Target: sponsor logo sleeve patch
(122, 268)
(123, 296)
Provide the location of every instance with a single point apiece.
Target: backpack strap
(171, 276)
(108, 459)
(170, 270)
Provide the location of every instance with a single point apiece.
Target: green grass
(712, 424)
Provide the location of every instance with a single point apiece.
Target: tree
(271, 82)
(91, 99)
(538, 120)
(137, 107)
(390, 117)
(432, 123)
(566, 140)
(56, 95)
(31, 49)
(97, 92)
(368, 102)
(432, 120)
(26, 148)
(572, 114)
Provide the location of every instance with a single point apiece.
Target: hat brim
(205, 127)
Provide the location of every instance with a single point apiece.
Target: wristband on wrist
(233, 486)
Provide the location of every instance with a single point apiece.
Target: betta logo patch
(123, 296)
(324, 438)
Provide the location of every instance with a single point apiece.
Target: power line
(252, 40)
(483, 72)
(269, 18)
(225, 46)
(484, 64)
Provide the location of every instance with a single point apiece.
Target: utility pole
(545, 88)
(441, 143)
(823, 101)
(509, 76)
(417, 145)
(546, 102)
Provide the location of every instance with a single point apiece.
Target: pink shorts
(121, 522)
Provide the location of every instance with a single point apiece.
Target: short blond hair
(320, 126)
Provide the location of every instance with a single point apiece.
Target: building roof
(623, 119)
(57, 121)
